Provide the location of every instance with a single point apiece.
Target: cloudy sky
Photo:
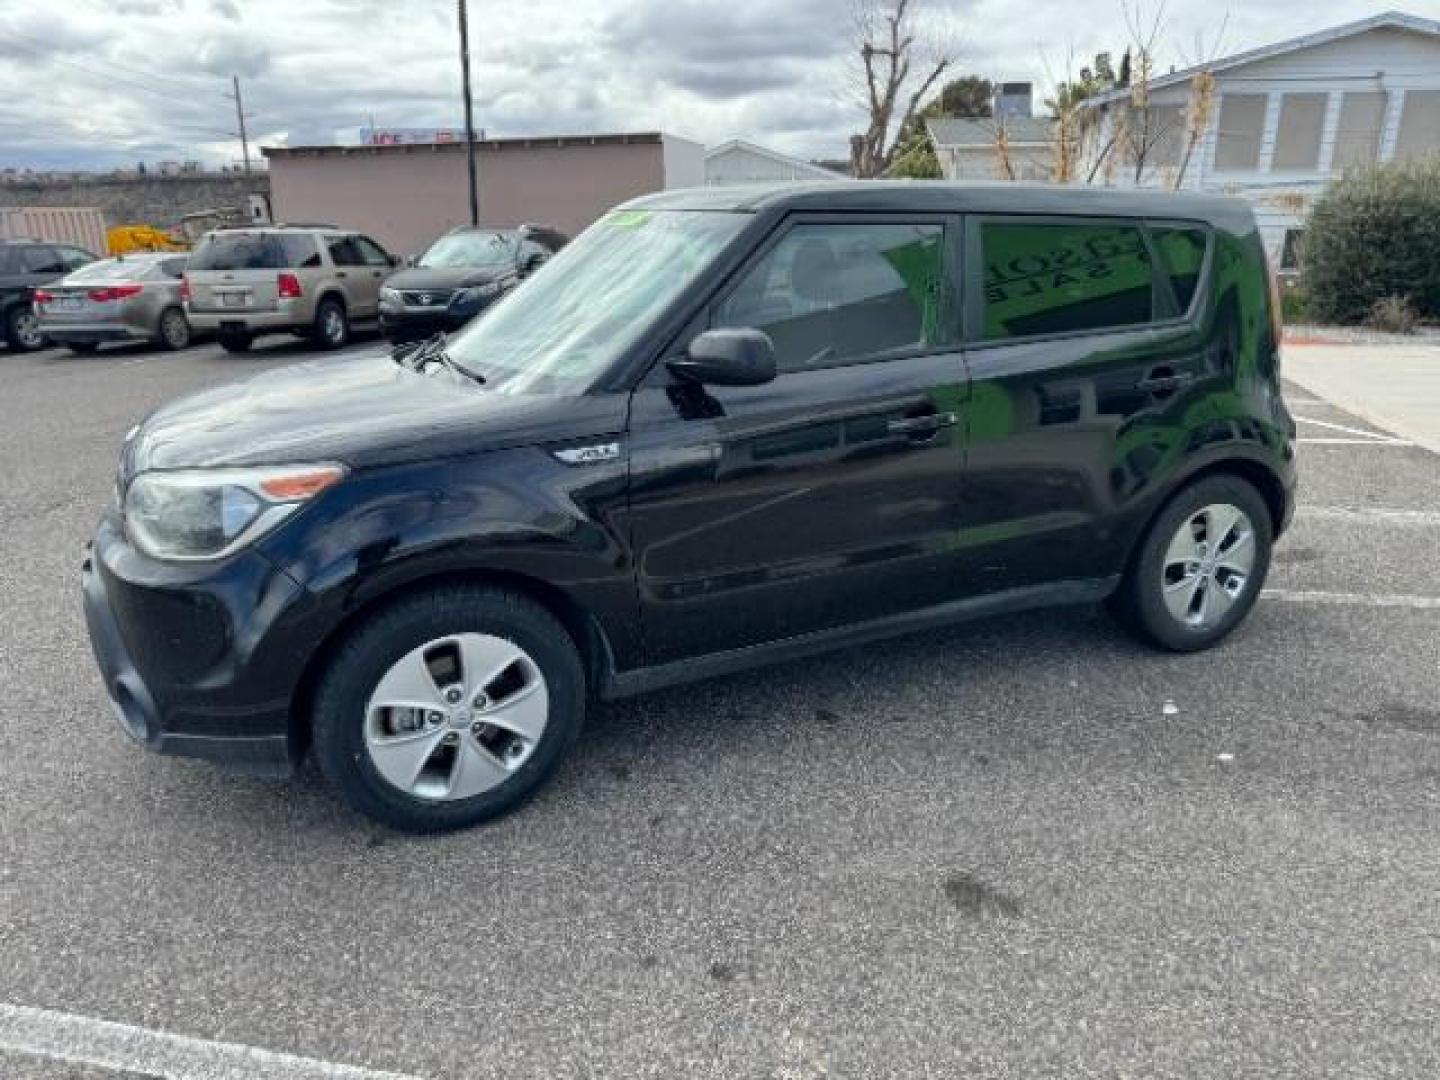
(98, 83)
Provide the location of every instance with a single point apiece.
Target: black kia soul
(719, 429)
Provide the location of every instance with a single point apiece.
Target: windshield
(471, 249)
(566, 325)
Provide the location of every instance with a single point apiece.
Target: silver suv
(314, 281)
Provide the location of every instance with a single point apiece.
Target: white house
(967, 150)
(740, 162)
(1286, 118)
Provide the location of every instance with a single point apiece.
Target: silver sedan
(127, 298)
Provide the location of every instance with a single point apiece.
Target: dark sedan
(461, 274)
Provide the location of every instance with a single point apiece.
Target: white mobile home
(1286, 118)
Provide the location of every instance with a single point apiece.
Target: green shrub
(1392, 313)
(1375, 234)
(1294, 308)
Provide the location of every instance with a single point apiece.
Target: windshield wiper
(432, 350)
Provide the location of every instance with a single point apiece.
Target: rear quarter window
(1045, 278)
(1181, 252)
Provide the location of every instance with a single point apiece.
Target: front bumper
(413, 324)
(198, 660)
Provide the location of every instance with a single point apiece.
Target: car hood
(362, 411)
(448, 277)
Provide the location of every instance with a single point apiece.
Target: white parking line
(1353, 442)
(84, 1040)
(1316, 596)
(1357, 436)
(1369, 514)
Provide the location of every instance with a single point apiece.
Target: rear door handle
(340, 273)
(921, 425)
(1163, 381)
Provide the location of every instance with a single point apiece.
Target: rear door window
(1049, 277)
(43, 260)
(839, 292)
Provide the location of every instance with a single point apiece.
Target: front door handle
(921, 427)
(340, 273)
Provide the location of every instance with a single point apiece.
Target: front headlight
(476, 293)
(209, 513)
(390, 296)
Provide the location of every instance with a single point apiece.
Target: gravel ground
(987, 852)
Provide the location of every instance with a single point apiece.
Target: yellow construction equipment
(124, 239)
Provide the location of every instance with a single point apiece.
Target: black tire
(20, 332)
(331, 329)
(233, 342)
(1139, 604)
(174, 330)
(351, 676)
(84, 348)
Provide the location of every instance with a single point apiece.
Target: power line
(103, 75)
(46, 48)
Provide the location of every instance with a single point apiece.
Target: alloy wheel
(27, 330)
(1207, 566)
(332, 325)
(175, 330)
(456, 717)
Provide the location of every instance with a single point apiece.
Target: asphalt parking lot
(1026, 847)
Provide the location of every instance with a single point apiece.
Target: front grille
(426, 297)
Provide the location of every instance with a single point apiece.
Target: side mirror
(395, 260)
(410, 260)
(738, 357)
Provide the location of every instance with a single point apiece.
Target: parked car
(129, 298)
(459, 276)
(316, 281)
(721, 428)
(25, 264)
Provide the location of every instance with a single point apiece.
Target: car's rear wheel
(1199, 568)
(235, 341)
(22, 329)
(448, 708)
(83, 348)
(332, 328)
(174, 329)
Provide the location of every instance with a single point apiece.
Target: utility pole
(469, 114)
(240, 116)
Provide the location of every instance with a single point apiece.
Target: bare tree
(901, 61)
(1201, 103)
(1197, 119)
(1147, 129)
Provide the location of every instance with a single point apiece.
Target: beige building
(407, 195)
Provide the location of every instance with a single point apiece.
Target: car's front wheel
(1200, 566)
(449, 707)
